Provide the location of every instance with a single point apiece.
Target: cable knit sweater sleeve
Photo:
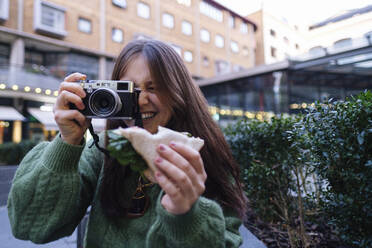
(205, 225)
(50, 194)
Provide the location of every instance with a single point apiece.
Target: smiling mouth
(148, 115)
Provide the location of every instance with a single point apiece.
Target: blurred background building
(331, 59)
(41, 41)
(248, 67)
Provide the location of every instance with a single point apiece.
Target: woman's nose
(143, 98)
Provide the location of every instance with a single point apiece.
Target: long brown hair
(189, 114)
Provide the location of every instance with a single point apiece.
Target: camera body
(109, 99)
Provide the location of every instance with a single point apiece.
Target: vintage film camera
(109, 99)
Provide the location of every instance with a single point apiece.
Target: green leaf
(121, 149)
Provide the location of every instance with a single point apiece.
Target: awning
(8, 113)
(47, 119)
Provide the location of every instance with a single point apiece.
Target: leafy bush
(272, 156)
(13, 153)
(340, 135)
(317, 168)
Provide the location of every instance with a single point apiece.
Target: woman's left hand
(181, 175)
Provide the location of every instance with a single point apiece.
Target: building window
(184, 2)
(186, 28)
(244, 28)
(4, 54)
(286, 40)
(219, 41)
(204, 35)
(222, 67)
(168, 20)
(273, 52)
(317, 51)
(187, 55)
(176, 48)
(205, 61)
(117, 35)
(245, 51)
(4, 10)
(272, 33)
(342, 44)
(234, 47)
(143, 10)
(139, 36)
(211, 11)
(85, 25)
(120, 3)
(231, 22)
(49, 18)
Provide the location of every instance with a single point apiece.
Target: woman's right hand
(71, 123)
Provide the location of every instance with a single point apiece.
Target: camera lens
(104, 102)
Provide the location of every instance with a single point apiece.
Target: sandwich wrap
(145, 144)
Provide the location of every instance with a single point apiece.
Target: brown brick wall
(128, 21)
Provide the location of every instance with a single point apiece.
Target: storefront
(288, 87)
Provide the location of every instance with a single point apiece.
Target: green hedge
(297, 170)
(341, 143)
(13, 153)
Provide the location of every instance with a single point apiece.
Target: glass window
(211, 11)
(50, 18)
(4, 54)
(244, 28)
(186, 28)
(143, 10)
(184, 2)
(109, 67)
(231, 22)
(272, 33)
(273, 52)
(176, 48)
(245, 51)
(120, 3)
(204, 35)
(317, 51)
(4, 10)
(33, 57)
(168, 20)
(205, 61)
(234, 46)
(219, 41)
(83, 63)
(222, 67)
(368, 35)
(286, 40)
(117, 35)
(140, 36)
(344, 43)
(85, 25)
(187, 55)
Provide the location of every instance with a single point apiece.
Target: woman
(197, 201)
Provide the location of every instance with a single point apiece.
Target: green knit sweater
(56, 183)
